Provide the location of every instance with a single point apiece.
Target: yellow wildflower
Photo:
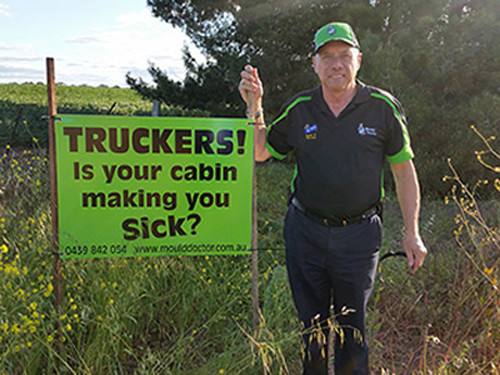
(15, 328)
(50, 288)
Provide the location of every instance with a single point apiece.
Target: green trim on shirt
(406, 152)
(270, 148)
(285, 112)
(404, 155)
(382, 190)
(292, 184)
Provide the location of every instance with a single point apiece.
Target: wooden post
(255, 253)
(57, 279)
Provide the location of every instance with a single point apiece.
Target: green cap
(335, 31)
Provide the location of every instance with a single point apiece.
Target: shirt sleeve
(398, 148)
(278, 135)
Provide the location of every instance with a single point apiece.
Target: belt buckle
(344, 222)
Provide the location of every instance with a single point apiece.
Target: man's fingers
(250, 73)
(255, 74)
(411, 261)
(246, 76)
(249, 70)
(415, 252)
(245, 88)
(419, 254)
(250, 84)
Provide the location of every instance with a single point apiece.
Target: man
(340, 132)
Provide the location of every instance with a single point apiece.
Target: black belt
(335, 222)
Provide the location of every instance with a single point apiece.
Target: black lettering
(125, 172)
(76, 171)
(191, 199)
(206, 200)
(175, 226)
(87, 172)
(160, 141)
(203, 172)
(206, 172)
(131, 231)
(228, 170)
(241, 135)
(109, 172)
(73, 134)
(137, 135)
(113, 140)
(155, 231)
(155, 169)
(114, 199)
(128, 199)
(153, 199)
(94, 137)
(173, 173)
(182, 141)
(169, 201)
(144, 226)
(220, 202)
(190, 174)
(95, 199)
(140, 198)
(145, 172)
(227, 144)
(202, 141)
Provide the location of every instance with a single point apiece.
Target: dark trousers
(332, 264)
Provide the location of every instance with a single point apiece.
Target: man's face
(336, 65)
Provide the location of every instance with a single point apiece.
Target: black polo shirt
(339, 170)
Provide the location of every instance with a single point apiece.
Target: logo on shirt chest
(310, 131)
(365, 130)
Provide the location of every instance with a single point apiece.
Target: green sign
(147, 186)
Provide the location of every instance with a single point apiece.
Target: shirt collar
(362, 95)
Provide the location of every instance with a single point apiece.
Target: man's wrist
(411, 233)
(257, 114)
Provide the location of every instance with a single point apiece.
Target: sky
(92, 42)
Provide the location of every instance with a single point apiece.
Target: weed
(189, 315)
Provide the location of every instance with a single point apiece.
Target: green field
(27, 103)
(193, 315)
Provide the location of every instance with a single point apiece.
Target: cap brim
(346, 41)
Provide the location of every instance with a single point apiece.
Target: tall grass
(192, 315)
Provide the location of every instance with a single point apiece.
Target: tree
(439, 58)
(276, 36)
